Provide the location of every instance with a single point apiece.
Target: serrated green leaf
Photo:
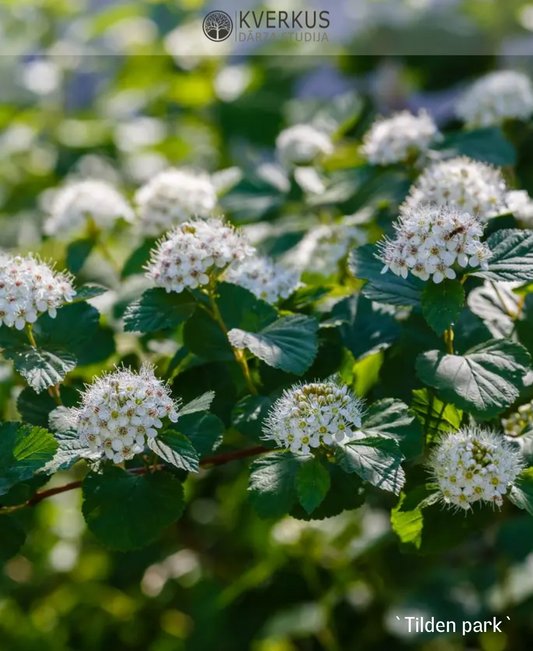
(436, 416)
(273, 483)
(127, 512)
(521, 493)
(441, 304)
(312, 484)
(159, 310)
(176, 449)
(73, 329)
(41, 368)
(376, 460)
(12, 537)
(202, 403)
(289, 344)
(69, 450)
(484, 381)
(496, 304)
(204, 431)
(512, 256)
(23, 451)
(391, 418)
(86, 292)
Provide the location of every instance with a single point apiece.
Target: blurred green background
(122, 90)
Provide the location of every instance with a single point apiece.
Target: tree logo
(217, 26)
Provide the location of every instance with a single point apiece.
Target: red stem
(217, 460)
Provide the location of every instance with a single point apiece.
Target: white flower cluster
(268, 280)
(402, 137)
(495, 98)
(309, 415)
(431, 240)
(462, 183)
(195, 251)
(473, 465)
(120, 410)
(80, 201)
(302, 144)
(173, 196)
(520, 421)
(521, 205)
(29, 287)
(323, 248)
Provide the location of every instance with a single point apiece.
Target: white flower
(195, 252)
(173, 196)
(400, 138)
(495, 98)
(29, 287)
(521, 205)
(79, 201)
(432, 242)
(323, 248)
(468, 185)
(302, 144)
(309, 415)
(267, 279)
(120, 410)
(473, 465)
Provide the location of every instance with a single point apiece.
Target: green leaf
(406, 518)
(202, 403)
(441, 304)
(138, 259)
(273, 483)
(127, 512)
(203, 337)
(377, 460)
(512, 256)
(383, 288)
(12, 537)
(495, 304)
(365, 328)
(70, 450)
(41, 368)
(289, 344)
(521, 493)
(484, 381)
(390, 418)
(176, 449)
(240, 308)
(78, 252)
(159, 310)
(35, 408)
(86, 292)
(204, 431)
(346, 493)
(248, 416)
(23, 451)
(73, 329)
(312, 484)
(487, 144)
(436, 417)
